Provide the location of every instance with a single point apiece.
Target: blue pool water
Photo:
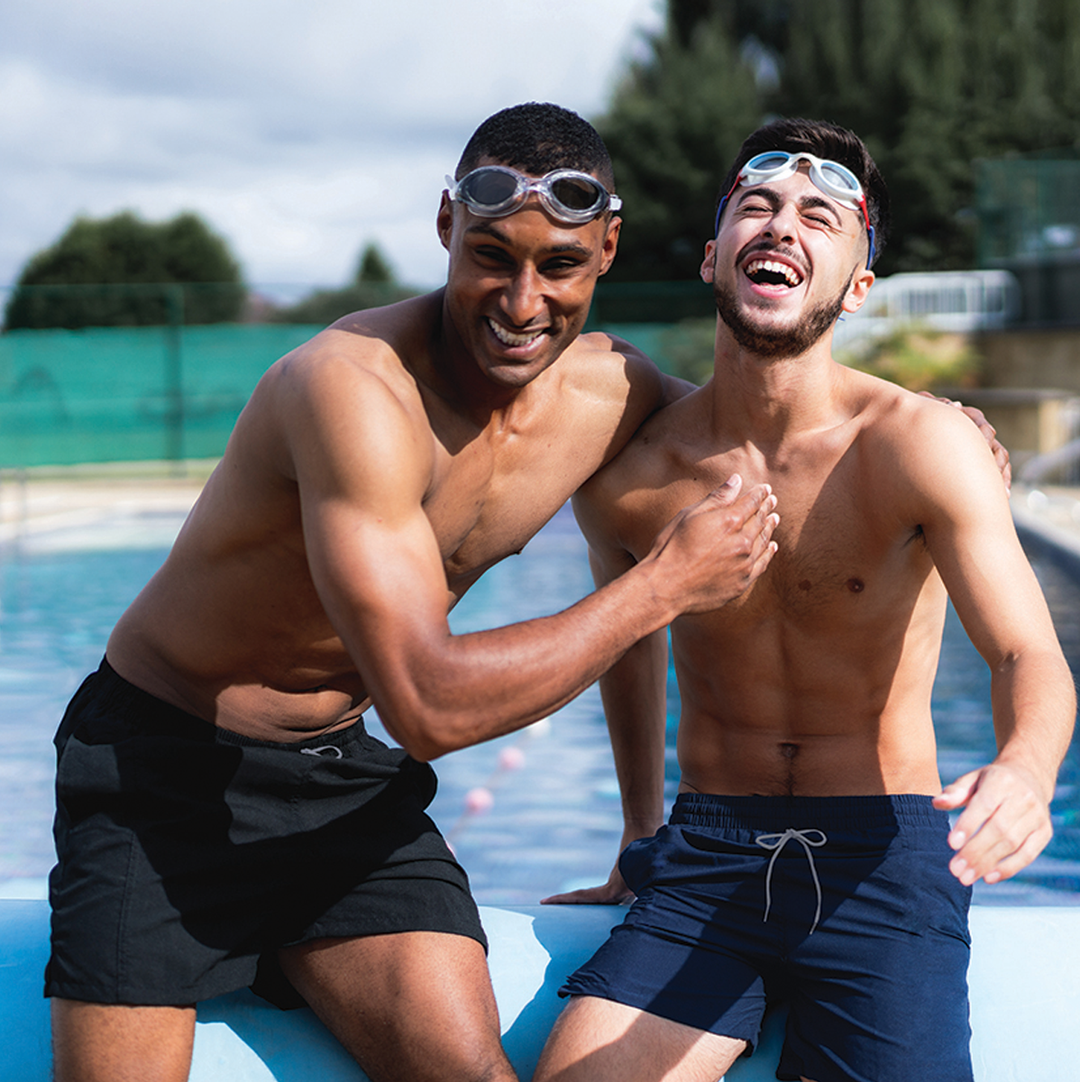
(529, 815)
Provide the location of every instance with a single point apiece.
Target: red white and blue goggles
(835, 180)
(494, 191)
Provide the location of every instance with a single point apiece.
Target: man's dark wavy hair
(825, 140)
(537, 138)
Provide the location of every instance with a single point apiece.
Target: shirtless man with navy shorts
(809, 855)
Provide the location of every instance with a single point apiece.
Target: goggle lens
(577, 193)
(488, 188)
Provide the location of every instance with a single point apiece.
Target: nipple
(856, 586)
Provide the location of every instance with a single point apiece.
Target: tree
(933, 85)
(930, 85)
(374, 285)
(117, 272)
(676, 120)
(373, 266)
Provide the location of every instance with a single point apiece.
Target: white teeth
(791, 275)
(508, 338)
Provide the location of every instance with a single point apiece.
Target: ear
(708, 265)
(858, 290)
(611, 243)
(444, 220)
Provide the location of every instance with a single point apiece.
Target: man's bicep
(970, 535)
(362, 469)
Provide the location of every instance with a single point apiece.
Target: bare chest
(845, 556)
(487, 503)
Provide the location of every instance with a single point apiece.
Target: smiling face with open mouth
(519, 286)
(786, 261)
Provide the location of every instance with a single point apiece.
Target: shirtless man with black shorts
(223, 817)
(809, 856)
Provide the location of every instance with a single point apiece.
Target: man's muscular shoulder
(919, 449)
(348, 391)
(606, 388)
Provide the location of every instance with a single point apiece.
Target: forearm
(437, 692)
(1034, 705)
(452, 691)
(634, 693)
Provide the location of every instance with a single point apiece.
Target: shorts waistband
(805, 812)
(127, 700)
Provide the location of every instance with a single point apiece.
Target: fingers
(1003, 828)
(604, 895)
(958, 793)
(728, 492)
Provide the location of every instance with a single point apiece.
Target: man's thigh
(412, 1005)
(598, 1039)
(95, 1042)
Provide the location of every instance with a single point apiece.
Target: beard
(775, 342)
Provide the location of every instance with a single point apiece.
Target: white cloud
(299, 130)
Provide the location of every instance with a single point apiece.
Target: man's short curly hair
(537, 138)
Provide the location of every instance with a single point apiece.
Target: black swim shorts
(842, 907)
(188, 853)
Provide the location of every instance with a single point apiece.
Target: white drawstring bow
(776, 842)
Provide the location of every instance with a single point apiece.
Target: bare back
(354, 429)
(817, 680)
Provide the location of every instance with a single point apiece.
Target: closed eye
(494, 255)
(560, 264)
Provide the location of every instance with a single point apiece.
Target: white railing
(957, 301)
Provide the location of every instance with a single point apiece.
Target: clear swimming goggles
(493, 191)
(834, 179)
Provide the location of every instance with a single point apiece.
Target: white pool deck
(98, 507)
(1025, 1000)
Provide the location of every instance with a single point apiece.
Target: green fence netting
(173, 392)
(105, 394)
(1027, 207)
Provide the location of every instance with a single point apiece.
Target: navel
(788, 749)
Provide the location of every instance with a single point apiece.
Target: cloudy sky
(299, 130)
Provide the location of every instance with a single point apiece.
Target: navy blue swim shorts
(842, 907)
(188, 854)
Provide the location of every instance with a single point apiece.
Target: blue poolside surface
(531, 814)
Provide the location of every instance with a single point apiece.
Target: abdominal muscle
(763, 739)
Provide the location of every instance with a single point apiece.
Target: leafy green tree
(374, 266)
(374, 285)
(122, 271)
(933, 85)
(676, 120)
(930, 85)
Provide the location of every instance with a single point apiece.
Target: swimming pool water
(530, 814)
